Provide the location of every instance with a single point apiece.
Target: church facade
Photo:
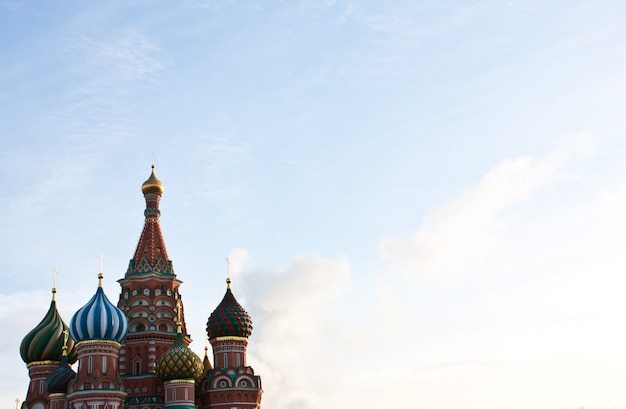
(135, 355)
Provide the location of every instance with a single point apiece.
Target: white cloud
(296, 330)
(521, 346)
(458, 237)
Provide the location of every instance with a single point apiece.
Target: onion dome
(58, 380)
(45, 341)
(152, 185)
(99, 320)
(179, 362)
(229, 319)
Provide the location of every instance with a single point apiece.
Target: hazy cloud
(458, 237)
(295, 327)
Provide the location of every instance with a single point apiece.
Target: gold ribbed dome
(179, 362)
(152, 185)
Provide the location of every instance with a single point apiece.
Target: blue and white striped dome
(99, 320)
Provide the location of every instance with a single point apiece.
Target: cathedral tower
(150, 300)
(231, 384)
(42, 350)
(180, 368)
(59, 379)
(99, 328)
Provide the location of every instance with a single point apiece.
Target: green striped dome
(179, 362)
(45, 341)
(229, 319)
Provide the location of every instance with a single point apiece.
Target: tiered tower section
(231, 384)
(99, 329)
(150, 299)
(179, 368)
(42, 350)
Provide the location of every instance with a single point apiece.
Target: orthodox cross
(100, 275)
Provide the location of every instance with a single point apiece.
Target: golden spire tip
(54, 284)
(227, 273)
(66, 336)
(100, 275)
(179, 314)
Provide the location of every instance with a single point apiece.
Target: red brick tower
(150, 299)
(42, 350)
(179, 368)
(99, 328)
(231, 384)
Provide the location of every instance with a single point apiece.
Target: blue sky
(422, 197)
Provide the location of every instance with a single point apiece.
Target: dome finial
(100, 275)
(227, 273)
(179, 321)
(66, 336)
(54, 284)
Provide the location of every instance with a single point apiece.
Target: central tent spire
(151, 253)
(151, 301)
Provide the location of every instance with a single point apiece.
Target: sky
(423, 202)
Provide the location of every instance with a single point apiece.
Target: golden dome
(152, 185)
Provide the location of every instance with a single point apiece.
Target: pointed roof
(151, 253)
(205, 362)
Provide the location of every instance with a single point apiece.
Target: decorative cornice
(40, 363)
(230, 338)
(99, 342)
(190, 381)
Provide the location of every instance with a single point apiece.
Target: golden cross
(17, 402)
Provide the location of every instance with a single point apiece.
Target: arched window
(137, 366)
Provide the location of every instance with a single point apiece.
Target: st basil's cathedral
(135, 355)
